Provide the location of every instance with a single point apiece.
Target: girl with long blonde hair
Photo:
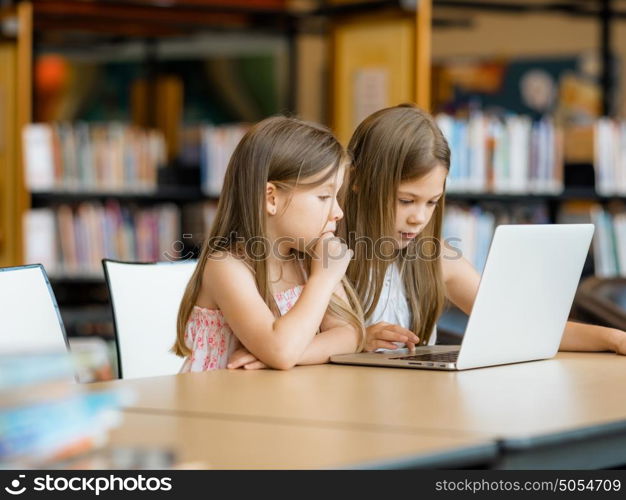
(402, 270)
(269, 289)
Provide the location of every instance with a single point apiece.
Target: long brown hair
(285, 151)
(391, 146)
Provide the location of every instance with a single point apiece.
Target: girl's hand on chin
(330, 258)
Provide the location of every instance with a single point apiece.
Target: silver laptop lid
(539, 267)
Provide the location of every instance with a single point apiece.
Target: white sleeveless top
(392, 306)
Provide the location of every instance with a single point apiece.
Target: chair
(602, 301)
(145, 298)
(30, 320)
(33, 342)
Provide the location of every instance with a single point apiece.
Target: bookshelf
(102, 28)
(163, 193)
(105, 27)
(572, 193)
(15, 112)
(585, 182)
(581, 197)
(387, 44)
(148, 28)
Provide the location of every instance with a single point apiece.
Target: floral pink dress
(211, 340)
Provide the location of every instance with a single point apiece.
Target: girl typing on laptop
(402, 270)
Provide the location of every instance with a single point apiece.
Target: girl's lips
(408, 236)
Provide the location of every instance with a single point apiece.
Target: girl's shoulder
(223, 270)
(223, 262)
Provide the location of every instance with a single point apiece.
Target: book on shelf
(40, 238)
(92, 157)
(610, 157)
(616, 246)
(210, 146)
(609, 243)
(471, 229)
(609, 239)
(510, 155)
(73, 240)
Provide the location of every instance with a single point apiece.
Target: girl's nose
(336, 213)
(418, 216)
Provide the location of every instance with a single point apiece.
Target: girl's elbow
(281, 355)
(283, 359)
(284, 366)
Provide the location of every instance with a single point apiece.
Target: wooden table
(521, 406)
(242, 443)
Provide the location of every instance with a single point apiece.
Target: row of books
(609, 242)
(470, 229)
(489, 155)
(610, 157)
(211, 146)
(218, 144)
(92, 157)
(44, 416)
(510, 155)
(72, 240)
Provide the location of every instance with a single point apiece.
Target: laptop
(524, 299)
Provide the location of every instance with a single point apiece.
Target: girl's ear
(271, 198)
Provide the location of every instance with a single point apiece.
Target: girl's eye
(406, 202)
(324, 198)
(433, 202)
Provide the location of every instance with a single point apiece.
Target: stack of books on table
(45, 417)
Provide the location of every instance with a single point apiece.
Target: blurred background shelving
(193, 74)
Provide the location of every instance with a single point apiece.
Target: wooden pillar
(423, 28)
(23, 113)
(8, 140)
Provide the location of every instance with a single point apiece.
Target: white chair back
(145, 298)
(29, 315)
(33, 343)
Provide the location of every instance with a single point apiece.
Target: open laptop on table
(523, 302)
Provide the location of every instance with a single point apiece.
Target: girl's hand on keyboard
(383, 335)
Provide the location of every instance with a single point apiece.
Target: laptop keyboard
(445, 357)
